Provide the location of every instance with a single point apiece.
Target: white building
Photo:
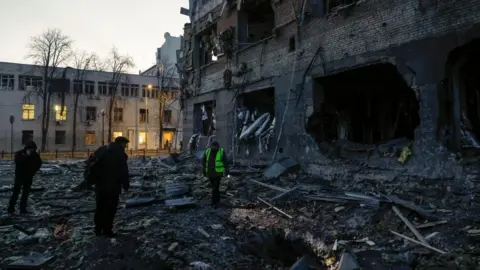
(19, 98)
(167, 54)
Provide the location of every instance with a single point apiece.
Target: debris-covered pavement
(270, 218)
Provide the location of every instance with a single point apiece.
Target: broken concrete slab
(140, 201)
(281, 166)
(171, 159)
(348, 262)
(36, 261)
(172, 190)
(180, 203)
(370, 259)
(306, 263)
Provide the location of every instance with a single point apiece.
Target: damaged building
(373, 83)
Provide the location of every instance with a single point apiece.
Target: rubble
(165, 221)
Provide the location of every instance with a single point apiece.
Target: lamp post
(146, 116)
(102, 113)
(12, 120)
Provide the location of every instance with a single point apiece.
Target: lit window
(59, 115)
(117, 134)
(141, 137)
(28, 111)
(89, 137)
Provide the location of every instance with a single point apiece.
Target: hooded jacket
(26, 166)
(112, 170)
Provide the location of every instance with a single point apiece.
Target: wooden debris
(409, 205)
(430, 236)
(409, 225)
(431, 224)
(417, 242)
(270, 186)
(338, 209)
(202, 231)
(173, 246)
(275, 208)
(285, 193)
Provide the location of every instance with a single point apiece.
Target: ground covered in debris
(293, 221)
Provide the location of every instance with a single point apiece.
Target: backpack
(91, 167)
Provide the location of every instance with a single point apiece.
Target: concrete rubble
(290, 221)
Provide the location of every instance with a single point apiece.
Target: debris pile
(271, 218)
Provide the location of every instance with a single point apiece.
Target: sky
(135, 27)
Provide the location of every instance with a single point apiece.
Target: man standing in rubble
(27, 164)
(109, 174)
(215, 165)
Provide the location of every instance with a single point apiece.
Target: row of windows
(90, 137)
(30, 83)
(91, 114)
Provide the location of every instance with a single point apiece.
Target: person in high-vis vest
(215, 166)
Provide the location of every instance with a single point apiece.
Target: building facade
(135, 111)
(345, 84)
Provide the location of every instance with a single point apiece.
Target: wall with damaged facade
(416, 36)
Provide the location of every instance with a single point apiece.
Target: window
(89, 137)
(77, 87)
(118, 114)
(29, 83)
(6, 82)
(256, 23)
(134, 90)
(91, 113)
(89, 87)
(112, 89)
(60, 136)
(117, 134)
(142, 137)
(167, 116)
(59, 115)
(143, 115)
(28, 111)
(102, 88)
(125, 89)
(27, 135)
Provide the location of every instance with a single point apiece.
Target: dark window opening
(460, 118)
(102, 88)
(144, 115)
(91, 113)
(118, 114)
(368, 105)
(256, 120)
(78, 87)
(30, 83)
(27, 135)
(256, 22)
(204, 114)
(134, 90)
(89, 87)
(208, 46)
(167, 116)
(291, 44)
(60, 136)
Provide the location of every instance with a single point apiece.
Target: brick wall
(403, 32)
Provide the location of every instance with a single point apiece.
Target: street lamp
(102, 113)
(146, 116)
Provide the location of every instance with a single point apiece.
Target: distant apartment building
(166, 73)
(136, 112)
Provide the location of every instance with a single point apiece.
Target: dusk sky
(135, 27)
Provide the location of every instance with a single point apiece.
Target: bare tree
(83, 63)
(49, 51)
(118, 65)
(166, 82)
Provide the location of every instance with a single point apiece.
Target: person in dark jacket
(111, 175)
(27, 164)
(215, 166)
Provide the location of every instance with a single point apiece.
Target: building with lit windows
(136, 112)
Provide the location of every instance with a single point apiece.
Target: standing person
(215, 165)
(109, 174)
(27, 164)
